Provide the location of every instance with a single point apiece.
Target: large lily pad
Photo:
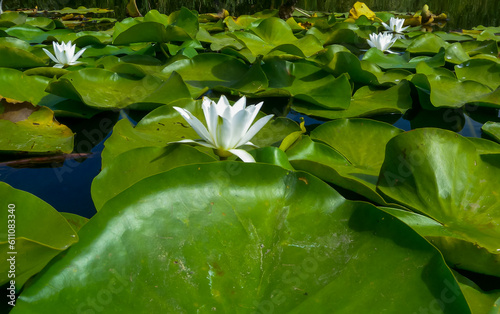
(356, 155)
(366, 102)
(242, 237)
(40, 233)
(483, 71)
(437, 91)
(220, 72)
(14, 53)
(440, 174)
(136, 164)
(105, 89)
(31, 129)
(307, 82)
(15, 84)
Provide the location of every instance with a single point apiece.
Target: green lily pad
(440, 174)
(105, 89)
(31, 129)
(483, 71)
(492, 129)
(219, 72)
(41, 22)
(351, 164)
(134, 165)
(251, 238)
(8, 19)
(368, 101)
(14, 84)
(436, 91)
(426, 44)
(26, 32)
(481, 47)
(14, 53)
(40, 233)
(75, 221)
(456, 54)
(275, 34)
(308, 83)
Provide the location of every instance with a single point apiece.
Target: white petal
(196, 142)
(224, 133)
(242, 154)
(195, 124)
(79, 54)
(58, 65)
(222, 105)
(51, 56)
(239, 128)
(210, 112)
(254, 129)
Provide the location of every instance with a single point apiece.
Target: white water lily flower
(229, 127)
(382, 41)
(395, 25)
(64, 54)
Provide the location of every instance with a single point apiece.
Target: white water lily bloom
(395, 25)
(382, 41)
(64, 54)
(228, 127)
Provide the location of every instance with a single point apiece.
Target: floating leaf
(440, 174)
(236, 235)
(31, 129)
(40, 233)
(366, 102)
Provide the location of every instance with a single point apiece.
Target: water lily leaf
(272, 156)
(340, 62)
(275, 34)
(479, 301)
(366, 102)
(483, 71)
(289, 243)
(389, 61)
(352, 165)
(241, 23)
(14, 84)
(26, 32)
(182, 25)
(142, 32)
(14, 53)
(485, 47)
(8, 19)
(75, 221)
(308, 83)
(440, 174)
(41, 22)
(40, 234)
(105, 89)
(81, 10)
(134, 165)
(164, 125)
(361, 9)
(427, 43)
(218, 72)
(341, 33)
(32, 129)
(492, 129)
(456, 54)
(48, 72)
(218, 41)
(85, 38)
(450, 37)
(448, 92)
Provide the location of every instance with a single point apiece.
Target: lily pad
(367, 101)
(31, 129)
(250, 238)
(307, 82)
(134, 165)
(219, 72)
(14, 84)
(440, 174)
(427, 44)
(351, 164)
(14, 53)
(492, 129)
(105, 89)
(40, 233)
(483, 71)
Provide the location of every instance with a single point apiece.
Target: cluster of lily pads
(354, 215)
